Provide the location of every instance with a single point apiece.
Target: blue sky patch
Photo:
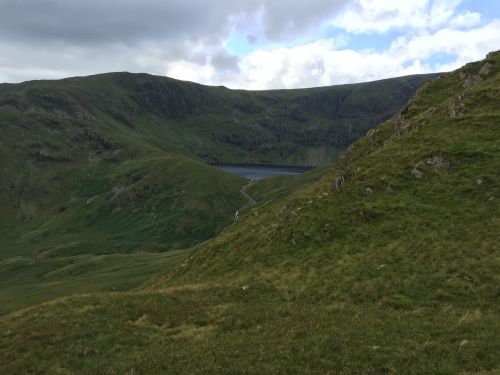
(358, 42)
(489, 9)
(238, 45)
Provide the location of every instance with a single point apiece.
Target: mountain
(104, 136)
(385, 263)
(214, 124)
(113, 164)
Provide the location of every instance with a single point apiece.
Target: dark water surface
(260, 171)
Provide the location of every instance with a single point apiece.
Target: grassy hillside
(30, 280)
(65, 241)
(306, 126)
(96, 154)
(274, 187)
(386, 264)
(106, 165)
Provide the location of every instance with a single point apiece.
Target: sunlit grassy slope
(387, 264)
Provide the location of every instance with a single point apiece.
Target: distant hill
(79, 151)
(304, 126)
(385, 263)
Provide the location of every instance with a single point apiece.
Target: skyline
(248, 44)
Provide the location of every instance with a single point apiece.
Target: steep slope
(426, 179)
(307, 126)
(387, 264)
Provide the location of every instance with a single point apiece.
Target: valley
(98, 168)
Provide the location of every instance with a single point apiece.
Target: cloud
(282, 44)
(324, 63)
(83, 37)
(111, 21)
(132, 21)
(319, 63)
(467, 45)
(381, 16)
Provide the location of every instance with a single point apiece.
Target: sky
(247, 44)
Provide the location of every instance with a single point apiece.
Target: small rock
(485, 69)
(479, 181)
(368, 191)
(455, 107)
(435, 161)
(245, 287)
(338, 183)
(417, 173)
(472, 81)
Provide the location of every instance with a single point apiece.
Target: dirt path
(250, 203)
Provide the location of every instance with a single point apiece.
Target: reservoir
(260, 171)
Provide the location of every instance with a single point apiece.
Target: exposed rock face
(338, 183)
(485, 69)
(438, 162)
(418, 174)
(401, 124)
(456, 106)
(473, 80)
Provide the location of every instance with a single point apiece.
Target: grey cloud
(223, 61)
(252, 39)
(284, 18)
(56, 38)
(104, 21)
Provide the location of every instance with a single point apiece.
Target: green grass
(108, 219)
(157, 203)
(28, 280)
(223, 329)
(268, 189)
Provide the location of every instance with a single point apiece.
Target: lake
(260, 171)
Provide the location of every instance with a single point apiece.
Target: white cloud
(323, 63)
(466, 45)
(466, 20)
(381, 16)
(317, 64)
(187, 71)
